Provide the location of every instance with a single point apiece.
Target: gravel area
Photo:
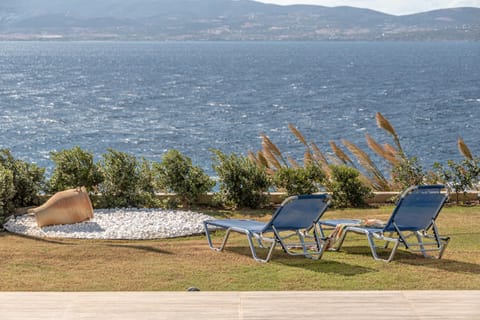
(117, 224)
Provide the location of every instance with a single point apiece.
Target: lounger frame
(396, 231)
(278, 230)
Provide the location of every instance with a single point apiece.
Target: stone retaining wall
(378, 198)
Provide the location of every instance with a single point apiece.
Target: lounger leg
(320, 228)
(442, 241)
(321, 234)
(420, 244)
(340, 241)
(394, 249)
(301, 237)
(210, 243)
(443, 247)
(388, 242)
(260, 243)
(321, 245)
(254, 251)
(315, 254)
(373, 248)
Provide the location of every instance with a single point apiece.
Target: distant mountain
(224, 20)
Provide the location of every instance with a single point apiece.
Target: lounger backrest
(299, 212)
(417, 208)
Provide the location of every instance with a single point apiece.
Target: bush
(177, 174)
(28, 180)
(7, 192)
(146, 175)
(408, 173)
(126, 181)
(460, 176)
(242, 182)
(299, 180)
(74, 168)
(347, 189)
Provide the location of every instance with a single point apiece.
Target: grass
(31, 264)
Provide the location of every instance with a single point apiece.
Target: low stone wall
(378, 198)
(465, 197)
(276, 198)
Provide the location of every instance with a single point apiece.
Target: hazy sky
(397, 7)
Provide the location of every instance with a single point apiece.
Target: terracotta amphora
(64, 207)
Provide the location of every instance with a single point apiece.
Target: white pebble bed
(117, 224)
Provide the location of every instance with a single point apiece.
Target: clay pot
(64, 207)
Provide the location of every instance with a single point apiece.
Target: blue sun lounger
(414, 215)
(297, 215)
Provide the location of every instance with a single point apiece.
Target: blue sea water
(148, 97)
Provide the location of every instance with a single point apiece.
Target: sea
(145, 98)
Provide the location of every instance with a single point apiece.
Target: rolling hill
(224, 20)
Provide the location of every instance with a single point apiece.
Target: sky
(396, 7)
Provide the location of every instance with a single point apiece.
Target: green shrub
(28, 180)
(126, 181)
(242, 182)
(460, 176)
(146, 175)
(346, 187)
(74, 168)
(7, 192)
(299, 180)
(146, 184)
(408, 173)
(177, 174)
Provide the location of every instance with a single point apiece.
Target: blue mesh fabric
(300, 213)
(417, 209)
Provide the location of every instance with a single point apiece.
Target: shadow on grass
(45, 240)
(416, 259)
(325, 266)
(383, 253)
(443, 264)
(138, 247)
(321, 265)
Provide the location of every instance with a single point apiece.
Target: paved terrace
(291, 305)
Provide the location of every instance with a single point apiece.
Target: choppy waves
(146, 98)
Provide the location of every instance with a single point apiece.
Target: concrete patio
(296, 305)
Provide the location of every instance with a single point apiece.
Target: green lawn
(30, 264)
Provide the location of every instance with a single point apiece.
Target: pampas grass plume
(383, 123)
(297, 134)
(464, 150)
